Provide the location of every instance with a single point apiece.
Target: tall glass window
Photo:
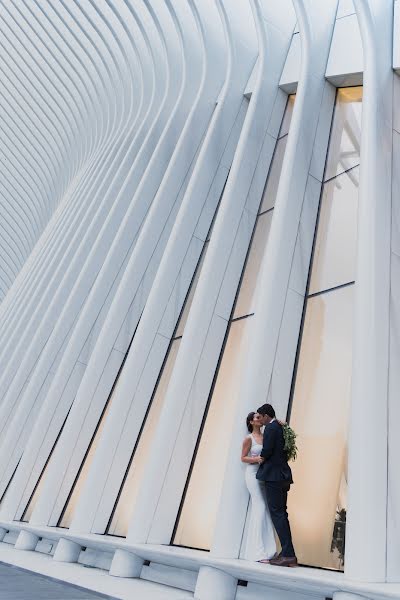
(26, 515)
(4, 496)
(124, 506)
(69, 508)
(70, 505)
(199, 505)
(126, 498)
(321, 390)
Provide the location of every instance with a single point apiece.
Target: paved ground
(17, 584)
(28, 575)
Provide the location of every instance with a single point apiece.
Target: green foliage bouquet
(290, 442)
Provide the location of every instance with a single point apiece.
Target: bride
(260, 544)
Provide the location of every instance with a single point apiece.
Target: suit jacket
(275, 467)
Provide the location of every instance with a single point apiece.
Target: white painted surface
(368, 496)
(345, 64)
(191, 380)
(97, 112)
(297, 192)
(393, 523)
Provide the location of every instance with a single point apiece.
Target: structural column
(206, 327)
(393, 521)
(298, 195)
(67, 551)
(126, 564)
(213, 583)
(366, 555)
(26, 540)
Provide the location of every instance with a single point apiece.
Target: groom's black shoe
(284, 561)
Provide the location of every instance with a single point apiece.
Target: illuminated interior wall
(26, 515)
(119, 522)
(73, 497)
(195, 524)
(69, 508)
(124, 506)
(119, 519)
(319, 407)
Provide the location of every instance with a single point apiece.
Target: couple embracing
(268, 479)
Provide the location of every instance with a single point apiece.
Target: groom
(277, 475)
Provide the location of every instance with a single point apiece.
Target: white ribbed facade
(199, 213)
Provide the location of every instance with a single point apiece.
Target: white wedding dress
(260, 542)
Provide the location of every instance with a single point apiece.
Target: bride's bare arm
(251, 460)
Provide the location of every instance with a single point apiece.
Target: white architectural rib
(88, 244)
(99, 162)
(393, 539)
(30, 46)
(22, 133)
(75, 220)
(52, 114)
(44, 128)
(366, 560)
(297, 196)
(96, 51)
(206, 325)
(123, 242)
(168, 292)
(196, 105)
(132, 151)
(94, 46)
(136, 147)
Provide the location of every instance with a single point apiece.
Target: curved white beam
(113, 171)
(198, 106)
(104, 207)
(174, 275)
(158, 152)
(366, 561)
(298, 193)
(206, 325)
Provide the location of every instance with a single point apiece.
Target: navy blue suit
(277, 475)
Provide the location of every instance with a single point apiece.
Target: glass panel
(335, 249)
(188, 302)
(4, 496)
(287, 116)
(189, 299)
(26, 515)
(317, 500)
(245, 299)
(124, 507)
(344, 143)
(69, 509)
(271, 187)
(199, 511)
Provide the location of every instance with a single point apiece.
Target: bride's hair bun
(249, 418)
